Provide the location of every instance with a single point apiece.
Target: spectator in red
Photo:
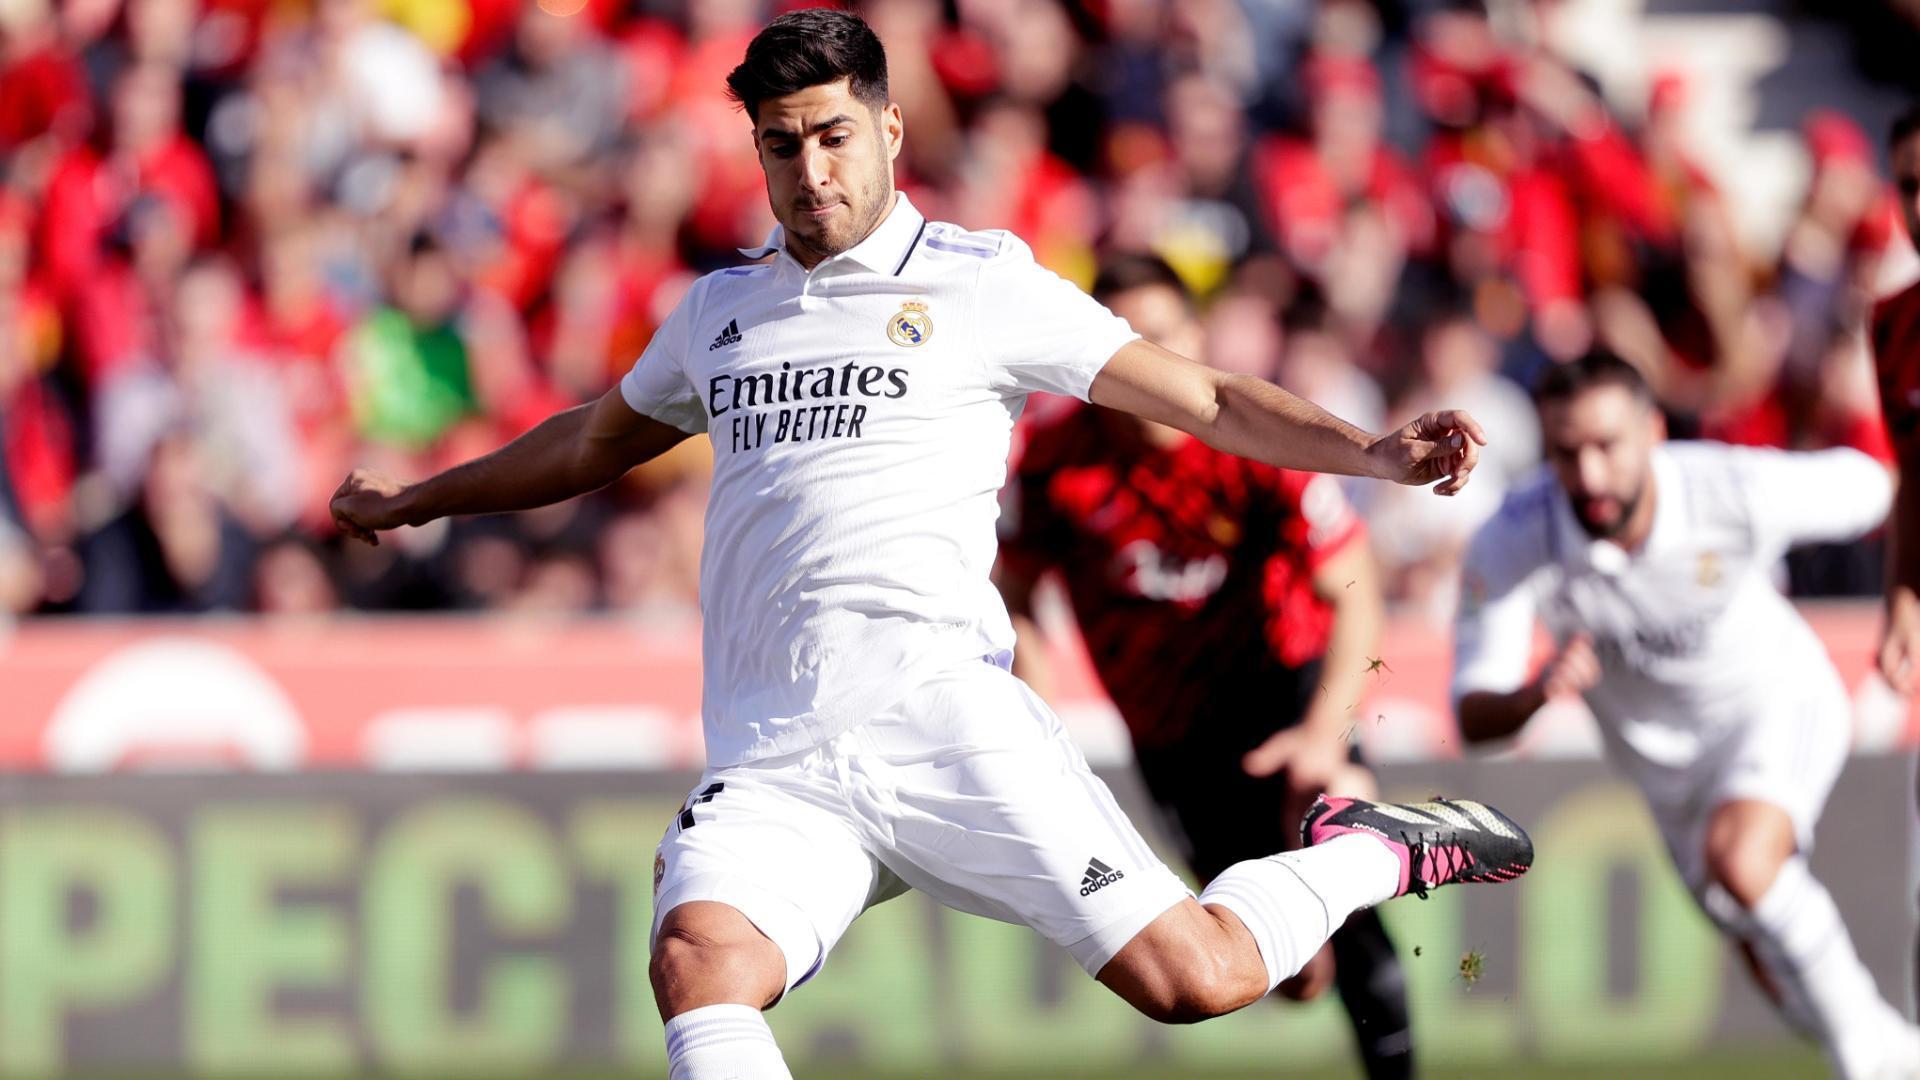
(142, 153)
(43, 88)
(625, 274)
(1312, 183)
(37, 466)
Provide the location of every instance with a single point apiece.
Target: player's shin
(1796, 933)
(1292, 902)
(719, 1042)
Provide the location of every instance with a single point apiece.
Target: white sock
(723, 1042)
(1796, 932)
(1293, 902)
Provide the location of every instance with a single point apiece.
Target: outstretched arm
(1255, 419)
(570, 453)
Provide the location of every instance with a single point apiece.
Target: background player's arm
(1255, 419)
(1813, 497)
(1900, 641)
(1486, 715)
(1900, 633)
(570, 453)
(1493, 641)
(1314, 751)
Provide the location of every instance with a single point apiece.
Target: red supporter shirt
(1190, 570)
(1896, 356)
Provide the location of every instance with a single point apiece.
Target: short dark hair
(1905, 126)
(1125, 273)
(811, 47)
(1596, 368)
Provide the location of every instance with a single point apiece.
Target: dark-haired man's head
(1903, 147)
(1146, 292)
(814, 83)
(1600, 425)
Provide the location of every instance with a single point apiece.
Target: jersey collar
(884, 251)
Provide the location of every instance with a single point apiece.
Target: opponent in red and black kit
(1229, 608)
(1896, 354)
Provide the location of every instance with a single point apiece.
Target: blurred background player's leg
(1746, 857)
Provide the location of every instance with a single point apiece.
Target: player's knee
(689, 970)
(1744, 865)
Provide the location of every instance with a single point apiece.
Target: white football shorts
(1789, 753)
(969, 790)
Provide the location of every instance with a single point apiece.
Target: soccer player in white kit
(1650, 563)
(863, 732)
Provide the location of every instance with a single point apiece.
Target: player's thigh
(768, 846)
(991, 809)
(1790, 757)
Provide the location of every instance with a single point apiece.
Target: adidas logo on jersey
(1098, 876)
(729, 336)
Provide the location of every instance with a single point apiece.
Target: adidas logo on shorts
(729, 336)
(1098, 876)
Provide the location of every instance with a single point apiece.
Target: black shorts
(1219, 814)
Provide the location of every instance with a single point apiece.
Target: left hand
(1442, 445)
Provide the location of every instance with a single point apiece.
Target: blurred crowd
(246, 245)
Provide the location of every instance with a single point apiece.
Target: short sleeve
(658, 386)
(1037, 331)
(1822, 496)
(1493, 629)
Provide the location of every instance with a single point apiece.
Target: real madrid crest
(911, 326)
(1708, 572)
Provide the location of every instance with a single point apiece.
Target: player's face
(1600, 446)
(1906, 181)
(828, 158)
(1161, 315)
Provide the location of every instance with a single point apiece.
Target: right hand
(1442, 446)
(1573, 672)
(1900, 640)
(366, 503)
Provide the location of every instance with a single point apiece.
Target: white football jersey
(860, 415)
(1694, 637)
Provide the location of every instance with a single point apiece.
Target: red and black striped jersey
(1896, 356)
(1190, 570)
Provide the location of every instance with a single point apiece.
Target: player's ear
(1657, 422)
(893, 126)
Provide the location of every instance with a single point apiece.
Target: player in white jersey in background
(1651, 565)
(863, 732)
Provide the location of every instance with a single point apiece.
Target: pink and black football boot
(1442, 842)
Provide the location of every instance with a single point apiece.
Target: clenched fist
(366, 503)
